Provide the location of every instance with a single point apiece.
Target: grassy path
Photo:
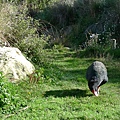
(65, 94)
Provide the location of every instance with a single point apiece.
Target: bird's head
(93, 86)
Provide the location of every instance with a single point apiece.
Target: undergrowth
(10, 101)
(62, 92)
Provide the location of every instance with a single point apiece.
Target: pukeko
(96, 75)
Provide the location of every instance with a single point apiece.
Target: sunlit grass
(64, 94)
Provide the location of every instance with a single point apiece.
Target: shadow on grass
(66, 72)
(67, 93)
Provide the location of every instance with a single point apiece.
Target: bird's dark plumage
(96, 75)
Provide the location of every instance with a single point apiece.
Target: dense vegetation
(59, 22)
(50, 34)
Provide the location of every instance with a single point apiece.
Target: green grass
(63, 94)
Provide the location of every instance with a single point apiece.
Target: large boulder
(14, 65)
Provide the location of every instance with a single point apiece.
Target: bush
(95, 51)
(115, 52)
(33, 48)
(20, 30)
(10, 102)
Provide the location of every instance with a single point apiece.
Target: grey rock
(14, 65)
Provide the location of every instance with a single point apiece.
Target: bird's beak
(95, 93)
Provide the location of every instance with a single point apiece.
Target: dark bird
(96, 75)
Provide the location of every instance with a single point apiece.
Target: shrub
(100, 49)
(20, 30)
(115, 52)
(33, 48)
(10, 102)
(97, 51)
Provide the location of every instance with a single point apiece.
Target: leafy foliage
(63, 22)
(10, 101)
(20, 30)
(101, 48)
